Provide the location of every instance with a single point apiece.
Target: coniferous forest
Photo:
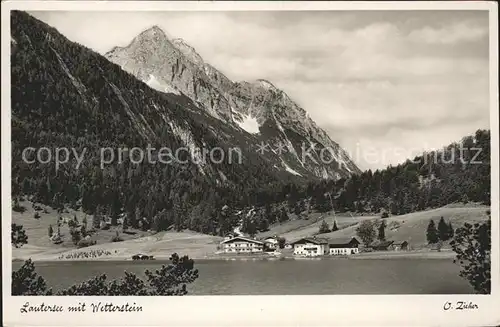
(66, 95)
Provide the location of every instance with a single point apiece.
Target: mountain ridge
(257, 107)
(66, 95)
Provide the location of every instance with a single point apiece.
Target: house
(382, 245)
(310, 246)
(345, 246)
(241, 244)
(400, 246)
(271, 242)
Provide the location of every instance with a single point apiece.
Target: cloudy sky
(383, 84)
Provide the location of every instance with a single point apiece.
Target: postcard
(250, 163)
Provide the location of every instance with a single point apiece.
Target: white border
(414, 310)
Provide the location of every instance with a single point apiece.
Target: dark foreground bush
(472, 244)
(170, 279)
(25, 281)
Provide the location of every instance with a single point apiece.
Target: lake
(284, 277)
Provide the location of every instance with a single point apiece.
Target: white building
(345, 246)
(310, 247)
(241, 245)
(271, 242)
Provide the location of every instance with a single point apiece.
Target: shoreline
(431, 255)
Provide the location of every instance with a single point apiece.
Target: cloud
(461, 32)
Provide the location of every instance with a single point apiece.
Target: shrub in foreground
(169, 280)
(472, 244)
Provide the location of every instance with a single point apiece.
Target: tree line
(442, 233)
(51, 109)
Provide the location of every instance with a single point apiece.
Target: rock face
(173, 65)
(258, 108)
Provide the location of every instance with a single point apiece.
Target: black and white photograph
(228, 151)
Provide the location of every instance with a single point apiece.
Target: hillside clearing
(160, 245)
(37, 229)
(295, 229)
(412, 227)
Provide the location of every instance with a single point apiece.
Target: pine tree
(281, 242)
(251, 228)
(335, 228)
(114, 217)
(432, 233)
(443, 230)
(75, 236)
(263, 225)
(179, 212)
(283, 215)
(125, 222)
(51, 231)
(451, 231)
(381, 231)
(323, 228)
(136, 218)
(115, 208)
(96, 221)
(18, 236)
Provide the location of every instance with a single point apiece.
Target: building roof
(240, 238)
(342, 242)
(382, 244)
(400, 242)
(314, 240)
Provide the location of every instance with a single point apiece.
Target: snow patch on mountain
(162, 87)
(249, 124)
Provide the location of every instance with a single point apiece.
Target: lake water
(286, 277)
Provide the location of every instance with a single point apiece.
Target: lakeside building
(382, 246)
(271, 242)
(230, 236)
(310, 246)
(344, 246)
(400, 246)
(241, 244)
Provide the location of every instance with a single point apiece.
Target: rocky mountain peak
(259, 107)
(154, 31)
(153, 35)
(265, 84)
(188, 51)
